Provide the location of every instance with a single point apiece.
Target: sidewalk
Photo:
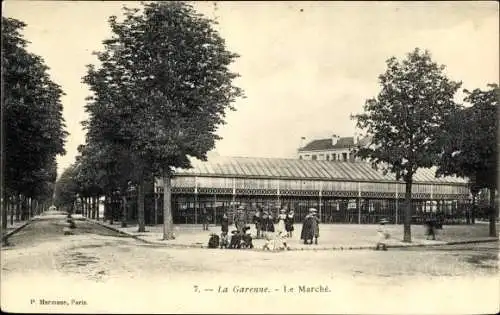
(17, 225)
(332, 236)
(47, 215)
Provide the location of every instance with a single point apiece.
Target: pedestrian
(267, 229)
(383, 235)
(257, 218)
(225, 223)
(281, 221)
(240, 221)
(289, 223)
(224, 238)
(310, 228)
(204, 218)
(430, 225)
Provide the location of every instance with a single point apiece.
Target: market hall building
(342, 191)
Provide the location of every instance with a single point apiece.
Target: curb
(22, 226)
(335, 248)
(116, 230)
(9, 234)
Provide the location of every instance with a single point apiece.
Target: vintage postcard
(250, 157)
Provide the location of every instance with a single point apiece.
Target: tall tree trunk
(124, 211)
(84, 206)
(92, 207)
(407, 218)
(97, 206)
(473, 209)
(5, 207)
(89, 208)
(18, 207)
(493, 214)
(12, 209)
(155, 196)
(168, 226)
(140, 206)
(30, 209)
(108, 208)
(23, 208)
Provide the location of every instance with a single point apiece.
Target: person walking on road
(310, 228)
(281, 221)
(204, 219)
(289, 223)
(383, 235)
(240, 220)
(430, 225)
(257, 220)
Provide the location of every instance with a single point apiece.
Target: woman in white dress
(281, 221)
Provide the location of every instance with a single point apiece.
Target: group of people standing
(274, 229)
(264, 222)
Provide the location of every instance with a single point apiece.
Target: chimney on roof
(356, 138)
(302, 140)
(335, 139)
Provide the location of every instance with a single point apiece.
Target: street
(103, 268)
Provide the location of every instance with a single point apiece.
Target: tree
(470, 145)
(33, 127)
(166, 74)
(405, 119)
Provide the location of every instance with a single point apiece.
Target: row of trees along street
(163, 86)
(415, 123)
(32, 128)
(161, 90)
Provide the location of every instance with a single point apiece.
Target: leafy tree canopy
(470, 139)
(34, 126)
(405, 119)
(163, 85)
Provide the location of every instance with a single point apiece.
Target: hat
(241, 207)
(312, 210)
(282, 210)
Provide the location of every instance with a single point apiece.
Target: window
(300, 157)
(328, 157)
(314, 157)
(344, 156)
(334, 157)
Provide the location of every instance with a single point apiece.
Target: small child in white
(276, 240)
(383, 235)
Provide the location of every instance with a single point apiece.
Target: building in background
(343, 192)
(335, 148)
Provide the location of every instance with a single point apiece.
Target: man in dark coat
(257, 220)
(204, 219)
(225, 223)
(310, 228)
(289, 223)
(240, 219)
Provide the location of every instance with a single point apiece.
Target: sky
(305, 67)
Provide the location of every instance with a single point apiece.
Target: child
(224, 240)
(383, 235)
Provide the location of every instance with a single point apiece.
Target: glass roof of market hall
(280, 168)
